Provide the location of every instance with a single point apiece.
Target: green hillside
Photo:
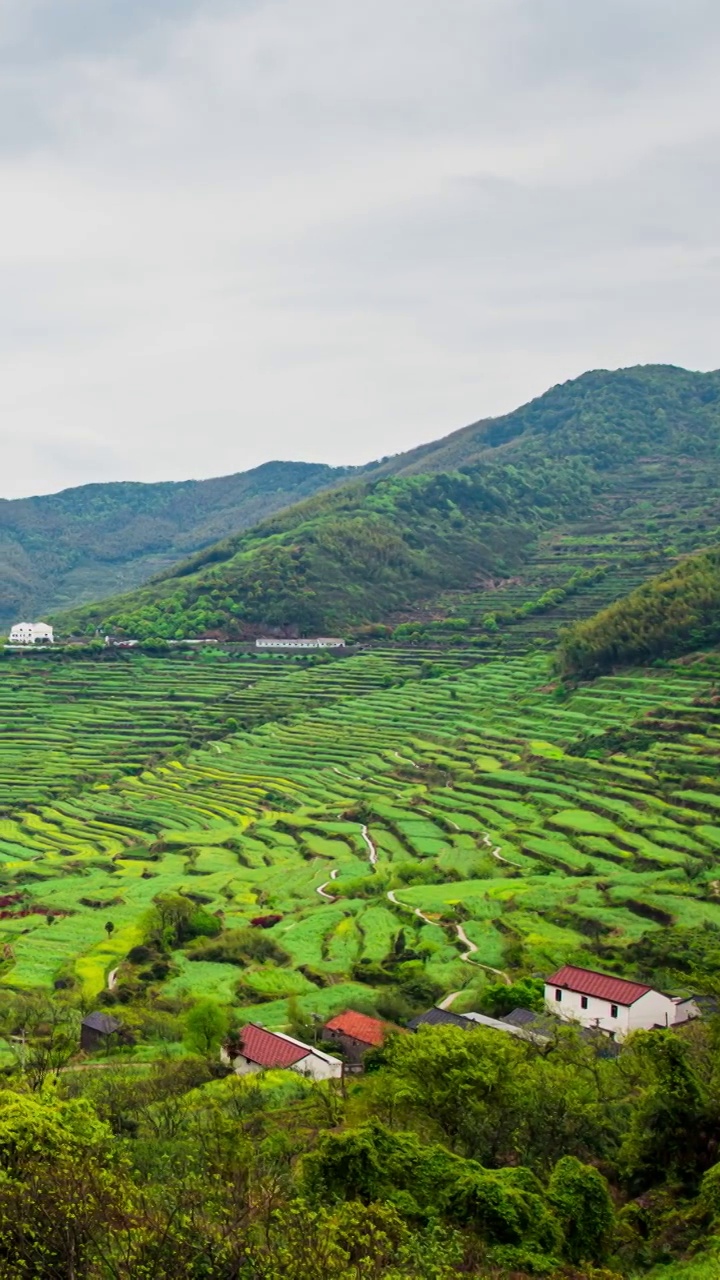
(98, 539)
(609, 455)
(674, 613)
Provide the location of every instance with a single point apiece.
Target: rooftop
(275, 1049)
(102, 1022)
(359, 1026)
(588, 983)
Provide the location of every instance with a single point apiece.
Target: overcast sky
(331, 229)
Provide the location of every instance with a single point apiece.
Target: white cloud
(323, 230)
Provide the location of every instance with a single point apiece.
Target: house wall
(652, 1009)
(313, 1066)
(597, 1014)
(353, 1049)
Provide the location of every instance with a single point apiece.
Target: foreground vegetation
(459, 1153)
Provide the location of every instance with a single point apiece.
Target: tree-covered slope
(610, 416)
(93, 541)
(406, 529)
(672, 614)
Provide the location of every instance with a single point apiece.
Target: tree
(580, 1197)
(109, 928)
(206, 1025)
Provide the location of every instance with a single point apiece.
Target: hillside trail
(372, 851)
(415, 910)
(112, 979)
(495, 852)
(329, 897)
(469, 954)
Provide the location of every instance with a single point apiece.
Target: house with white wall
(31, 633)
(263, 1050)
(610, 1004)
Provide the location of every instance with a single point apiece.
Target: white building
(31, 633)
(263, 1050)
(316, 642)
(612, 1004)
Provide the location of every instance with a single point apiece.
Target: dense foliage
(672, 614)
(463, 1153)
(89, 542)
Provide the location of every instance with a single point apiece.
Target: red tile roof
(588, 983)
(359, 1026)
(269, 1050)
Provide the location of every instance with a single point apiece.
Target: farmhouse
(260, 1050)
(469, 1021)
(612, 1004)
(356, 1033)
(31, 633)
(316, 642)
(96, 1030)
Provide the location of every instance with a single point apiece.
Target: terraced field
(381, 795)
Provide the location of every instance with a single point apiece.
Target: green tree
(580, 1197)
(206, 1025)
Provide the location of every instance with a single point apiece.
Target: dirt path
(415, 910)
(372, 851)
(112, 979)
(329, 897)
(448, 1000)
(469, 954)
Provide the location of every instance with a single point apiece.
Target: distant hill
(445, 515)
(672, 614)
(99, 539)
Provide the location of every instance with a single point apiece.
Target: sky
(323, 230)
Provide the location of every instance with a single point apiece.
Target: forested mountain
(98, 539)
(672, 614)
(443, 516)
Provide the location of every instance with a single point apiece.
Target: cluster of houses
(597, 1002)
(31, 633)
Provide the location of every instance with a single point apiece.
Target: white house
(261, 1050)
(315, 642)
(31, 633)
(612, 1004)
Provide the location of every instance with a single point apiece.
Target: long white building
(612, 1004)
(31, 633)
(314, 642)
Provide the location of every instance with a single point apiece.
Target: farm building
(469, 1021)
(31, 633)
(612, 1004)
(316, 642)
(356, 1033)
(261, 1050)
(96, 1030)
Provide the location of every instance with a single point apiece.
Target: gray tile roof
(102, 1022)
(439, 1018)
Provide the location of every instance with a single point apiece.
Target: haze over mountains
(633, 445)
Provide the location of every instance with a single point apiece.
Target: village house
(613, 1005)
(97, 1030)
(31, 633)
(470, 1021)
(356, 1033)
(316, 642)
(262, 1050)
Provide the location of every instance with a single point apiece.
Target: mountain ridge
(393, 534)
(82, 543)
